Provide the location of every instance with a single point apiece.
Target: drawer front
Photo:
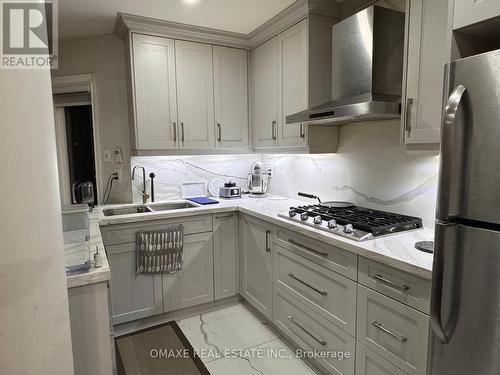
(310, 332)
(393, 330)
(125, 233)
(328, 256)
(409, 289)
(331, 295)
(370, 363)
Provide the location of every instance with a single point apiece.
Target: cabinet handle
(390, 283)
(182, 132)
(316, 252)
(389, 332)
(175, 131)
(409, 104)
(302, 131)
(223, 216)
(322, 292)
(318, 340)
(273, 126)
(268, 242)
(219, 137)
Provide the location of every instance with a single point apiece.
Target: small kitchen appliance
(257, 180)
(230, 190)
(83, 192)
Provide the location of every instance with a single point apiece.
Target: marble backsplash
(370, 169)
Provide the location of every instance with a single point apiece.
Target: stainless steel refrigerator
(465, 304)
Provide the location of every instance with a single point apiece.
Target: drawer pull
(268, 241)
(322, 292)
(320, 253)
(390, 283)
(383, 329)
(320, 341)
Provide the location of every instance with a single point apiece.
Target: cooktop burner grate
(372, 221)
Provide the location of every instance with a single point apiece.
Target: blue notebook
(202, 200)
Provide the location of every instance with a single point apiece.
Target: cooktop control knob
(304, 216)
(348, 228)
(332, 224)
(292, 213)
(318, 219)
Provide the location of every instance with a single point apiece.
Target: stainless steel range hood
(367, 70)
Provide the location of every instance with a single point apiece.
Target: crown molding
(129, 23)
(283, 20)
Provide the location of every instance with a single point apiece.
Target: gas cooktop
(356, 223)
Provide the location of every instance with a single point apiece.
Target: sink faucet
(145, 195)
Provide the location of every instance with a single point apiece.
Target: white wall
(104, 55)
(370, 169)
(34, 315)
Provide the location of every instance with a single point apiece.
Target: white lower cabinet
(311, 332)
(331, 295)
(395, 331)
(90, 329)
(133, 296)
(256, 264)
(370, 363)
(225, 255)
(193, 284)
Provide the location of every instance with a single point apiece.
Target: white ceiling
(79, 18)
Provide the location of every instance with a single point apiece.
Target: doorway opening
(77, 139)
(80, 148)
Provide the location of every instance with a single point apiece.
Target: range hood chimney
(367, 70)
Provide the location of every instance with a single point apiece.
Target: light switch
(107, 155)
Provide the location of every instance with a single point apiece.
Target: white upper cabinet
(195, 94)
(231, 97)
(154, 92)
(427, 53)
(292, 83)
(264, 81)
(280, 88)
(468, 12)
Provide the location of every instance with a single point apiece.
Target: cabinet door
(133, 296)
(90, 329)
(427, 53)
(292, 82)
(225, 255)
(193, 284)
(370, 363)
(468, 12)
(255, 264)
(154, 92)
(231, 97)
(195, 92)
(264, 67)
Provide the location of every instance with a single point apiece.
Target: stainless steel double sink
(144, 208)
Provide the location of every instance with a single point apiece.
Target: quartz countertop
(94, 275)
(396, 250)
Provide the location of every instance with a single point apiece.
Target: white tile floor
(233, 341)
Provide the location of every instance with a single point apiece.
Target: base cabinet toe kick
(343, 313)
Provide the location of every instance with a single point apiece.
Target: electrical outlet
(119, 173)
(269, 170)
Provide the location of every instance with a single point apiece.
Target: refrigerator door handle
(444, 264)
(452, 147)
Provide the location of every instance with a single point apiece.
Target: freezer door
(465, 322)
(470, 148)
